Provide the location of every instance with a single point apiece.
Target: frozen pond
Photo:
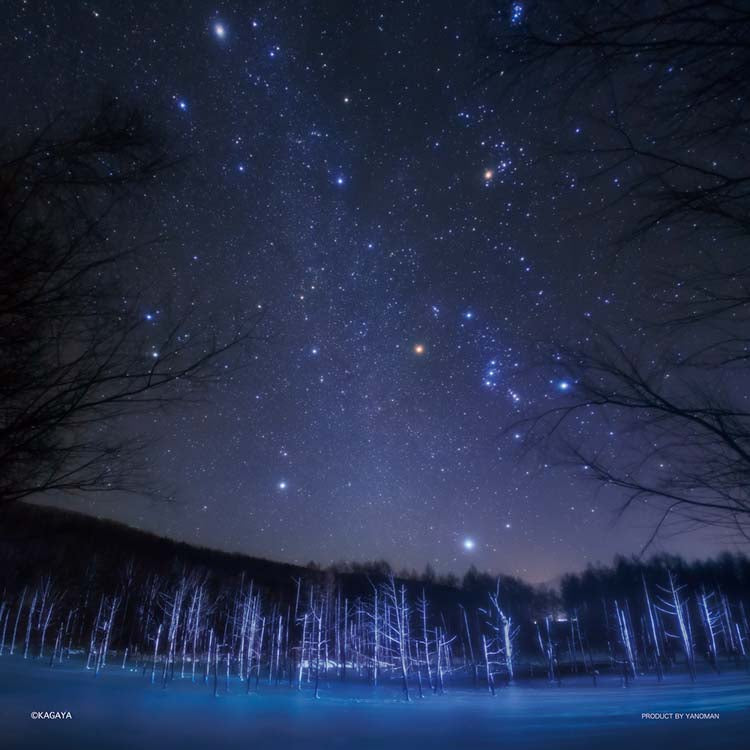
(121, 709)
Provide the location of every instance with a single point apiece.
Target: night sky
(411, 255)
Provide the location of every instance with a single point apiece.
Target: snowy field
(123, 710)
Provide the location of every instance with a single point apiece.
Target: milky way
(349, 178)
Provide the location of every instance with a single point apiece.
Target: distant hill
(36, 540)
(55, 537)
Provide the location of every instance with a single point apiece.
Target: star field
(410, 253)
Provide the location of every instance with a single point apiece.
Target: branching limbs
(677, 436)
(663, 87)
(80, 351)
(662, 91)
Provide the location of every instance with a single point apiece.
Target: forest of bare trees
(174, 616)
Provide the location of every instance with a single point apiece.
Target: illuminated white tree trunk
(673, 604)
(422, 609)
(6, 612)
(302, 651)
(711, 619)
(654, 635)
(626, 642)
(396, 629)
(45, 626)
(18, 617)
(156, 652)
(29, 625)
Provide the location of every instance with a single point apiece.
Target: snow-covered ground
(121, 709)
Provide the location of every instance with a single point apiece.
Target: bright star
(339, 180)
(469, 544)
(220, 30)
(182, 104)
(419, 349)
(488, 175)
(563, 385)
(282, 484)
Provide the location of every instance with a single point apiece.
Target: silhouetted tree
(666, 87)
(78, 348)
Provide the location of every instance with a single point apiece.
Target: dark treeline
(77, 588)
